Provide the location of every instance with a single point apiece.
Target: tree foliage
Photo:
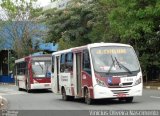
(137, 23)
(76, 25)
(21, 27)
(125, 21)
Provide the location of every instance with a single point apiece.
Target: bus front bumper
(41, 86)
(104, 92)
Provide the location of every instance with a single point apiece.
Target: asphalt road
(46, 100)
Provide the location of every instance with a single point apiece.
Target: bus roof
(107, 44)
(90, 46)
(30, 57)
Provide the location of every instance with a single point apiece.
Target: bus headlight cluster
(99, 82)
(138, 81)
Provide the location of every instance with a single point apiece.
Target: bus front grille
(116, 92)
(127, 84)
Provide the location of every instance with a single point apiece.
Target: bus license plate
(121, 95)
(127, 79)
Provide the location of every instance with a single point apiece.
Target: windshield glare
(41, 68)
(111, 59)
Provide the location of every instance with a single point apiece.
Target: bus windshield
(41, 68)
(114, 59)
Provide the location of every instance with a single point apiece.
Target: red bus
(33, 72)
(97, 71)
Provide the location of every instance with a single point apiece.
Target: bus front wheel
(129, 99)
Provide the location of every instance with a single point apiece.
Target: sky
(43, 2)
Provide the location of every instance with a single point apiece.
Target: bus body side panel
(55, 75)
(21, 81)
(87, 83)
(30, 74)
(54, 82)
(65, 81)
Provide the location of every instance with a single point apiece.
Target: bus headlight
(99, 82)
(138, 81)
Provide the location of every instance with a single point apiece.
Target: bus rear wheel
(64, 96)
(27, 88)
(19, 89)
(87, 99)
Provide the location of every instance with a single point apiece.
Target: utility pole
(8, 62)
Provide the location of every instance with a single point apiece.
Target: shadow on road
(110, 102)
(36, 91)
(41, 91)
(100, 102)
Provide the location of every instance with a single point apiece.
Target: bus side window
(69, 62)
(62, 63)
(17, 68)
(21, 68)
(86, 62)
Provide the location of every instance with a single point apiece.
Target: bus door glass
(57, 64)
(78, 71)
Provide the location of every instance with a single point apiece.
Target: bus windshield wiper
(122, 66)
(113, 63)
(40, 66)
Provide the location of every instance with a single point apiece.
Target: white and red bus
(33, 72)
(97, 71)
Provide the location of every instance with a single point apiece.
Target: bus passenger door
(78, 73)
(57, 72)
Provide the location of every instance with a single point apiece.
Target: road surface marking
(154, 97)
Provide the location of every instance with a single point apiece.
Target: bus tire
(19, 89)
(87, 98)
(129, 99)
(27, 89)
(64, 96)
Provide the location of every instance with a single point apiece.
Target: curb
(3, 103)
(7, 83)
(152, 87)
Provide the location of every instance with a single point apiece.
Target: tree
(82, 22)
(137, 23)
(123, 21)
(21, 28)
